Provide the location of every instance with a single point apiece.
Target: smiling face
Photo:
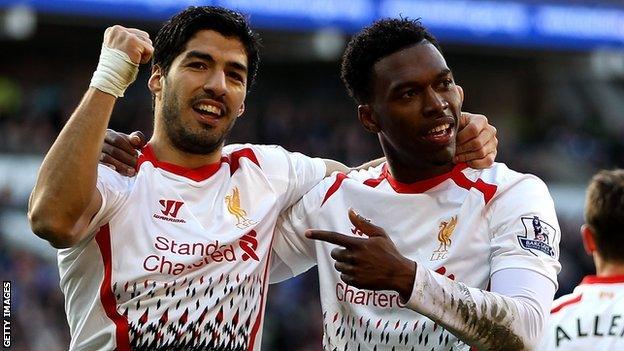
(415, 105)
(199, 99)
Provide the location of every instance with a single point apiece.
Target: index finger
(333, 237)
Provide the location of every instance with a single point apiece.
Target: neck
(410, 169)
(165, 151)
(608, 268)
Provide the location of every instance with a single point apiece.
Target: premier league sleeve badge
(538, 236)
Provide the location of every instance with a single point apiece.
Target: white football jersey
(177, 258)
(590, 318)
(466, 225)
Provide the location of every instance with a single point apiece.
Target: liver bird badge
(234, 207)
(446, 229)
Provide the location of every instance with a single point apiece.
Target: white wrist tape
(114, 73)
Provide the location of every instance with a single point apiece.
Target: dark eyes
(447, 83)
(236, 76)
(197, 65)
(408, 94)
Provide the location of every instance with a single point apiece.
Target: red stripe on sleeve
(106, 293)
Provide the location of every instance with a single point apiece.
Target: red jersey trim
(200, 173)
(409, 188)
(234, 158)
(340, 177)
(488, 190)
(265, 286)
(106, 293)
(593, 279)
(557, 308)
(422, 185)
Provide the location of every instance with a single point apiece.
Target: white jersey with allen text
(590, 318)
(177, 258)
(466, 225)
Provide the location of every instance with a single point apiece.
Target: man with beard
(468, 257)
(177, 257)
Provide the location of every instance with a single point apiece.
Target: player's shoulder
(113, 180)
(337, 182)
(506, 180)
(501, 175)
(268, 156)
(566, 303)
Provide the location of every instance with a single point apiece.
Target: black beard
(182, 138)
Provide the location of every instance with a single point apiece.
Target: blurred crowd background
(556, 99)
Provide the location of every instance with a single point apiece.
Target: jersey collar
(594, 279)
(422, 185)
(197, 174)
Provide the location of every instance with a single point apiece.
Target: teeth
(209, 109)
(439, 128)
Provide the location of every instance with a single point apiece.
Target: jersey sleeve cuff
(421, 279)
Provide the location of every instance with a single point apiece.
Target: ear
(588, 239)
(155, 82)
(241, 110)
(366, 117)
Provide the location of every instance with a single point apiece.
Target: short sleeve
(524, 229)
(114, 189)
(304, 173)
(290, 243)
(291, 173)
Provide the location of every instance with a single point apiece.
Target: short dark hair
(604, 213)
(384, 37)
(172, 38)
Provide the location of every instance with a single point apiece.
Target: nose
(216, 83)
(434, 103)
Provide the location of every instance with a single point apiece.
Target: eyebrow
(443, 73)
(207, 57)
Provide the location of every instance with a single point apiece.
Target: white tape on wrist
(114, 73)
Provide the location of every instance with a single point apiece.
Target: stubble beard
(185, 139)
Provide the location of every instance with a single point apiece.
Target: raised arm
(65, 197)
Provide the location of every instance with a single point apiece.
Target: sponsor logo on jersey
(169, 211)
(234, 207)
(249, 245)
(446, 229)
(538, 236)
(175, 257)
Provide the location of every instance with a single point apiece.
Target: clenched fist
(134, 42)
(123, 50)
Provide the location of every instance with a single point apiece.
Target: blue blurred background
(548, 74)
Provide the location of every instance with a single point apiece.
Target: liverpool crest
(445, 232)
(234, 207)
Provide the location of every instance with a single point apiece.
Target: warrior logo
(234, 207)
(444, 237)
(542, 236)
(170, 210)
